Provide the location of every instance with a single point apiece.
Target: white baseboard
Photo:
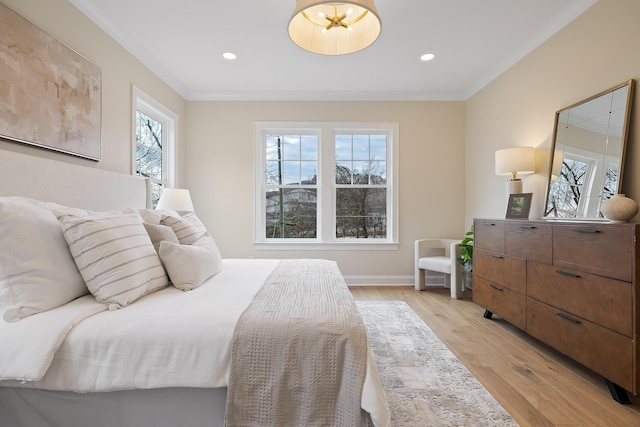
(353, 280)
(379, 280)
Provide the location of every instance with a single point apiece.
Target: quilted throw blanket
(299, 352)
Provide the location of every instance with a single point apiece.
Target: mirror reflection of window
(565, 192)
(589, 142)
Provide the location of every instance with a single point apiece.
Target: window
(571, 190)
(326, 185)
(155, 129)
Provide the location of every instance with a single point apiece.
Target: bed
(160, 353)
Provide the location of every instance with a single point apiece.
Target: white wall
(593, 53)
(119, 71)
(221, 175)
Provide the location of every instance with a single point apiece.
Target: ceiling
(474, 41)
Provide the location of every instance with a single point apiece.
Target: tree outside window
(155, 129)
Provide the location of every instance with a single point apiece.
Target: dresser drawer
(507, 271)
(606, 250)
(605, 352)
(530, 240)
(606, 302)
(489, 235)
(502, 301)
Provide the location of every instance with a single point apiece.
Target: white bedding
(169, 338)
(29, 345)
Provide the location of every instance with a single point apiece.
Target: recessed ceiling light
(427, 57)
(230, 56)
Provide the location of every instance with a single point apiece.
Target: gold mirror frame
(587, 154)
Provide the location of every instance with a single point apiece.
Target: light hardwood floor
(537, 385)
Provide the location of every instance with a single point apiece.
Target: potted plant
(465, 256)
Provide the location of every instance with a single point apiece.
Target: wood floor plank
(537, 385)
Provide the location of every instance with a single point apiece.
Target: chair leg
(420, 279)
(454, 290)
(447, 280)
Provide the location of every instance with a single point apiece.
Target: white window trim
(326, 160)
(141, 101)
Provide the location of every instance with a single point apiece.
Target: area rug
(425, 384)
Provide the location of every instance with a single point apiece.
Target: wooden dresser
(570, 284)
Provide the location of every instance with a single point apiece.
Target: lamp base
(514, 186)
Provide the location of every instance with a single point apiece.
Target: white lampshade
(177, 199)
(332, 28)
(514, 161)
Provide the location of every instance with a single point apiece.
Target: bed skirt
(163, 407)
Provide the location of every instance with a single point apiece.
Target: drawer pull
(569, 318)
(496, 256)
(582, 230)
(496, 287)
(566, 273)
(490, 224)
(527, 227)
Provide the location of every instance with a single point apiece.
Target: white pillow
(158, 232)
(189, 266)
(114, 255)
(193, 218)
(37, 271)
(186, 231)
(153, 216)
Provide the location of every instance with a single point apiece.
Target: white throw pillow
(37, 271)
(153, 216)
(158, 233)
(114, 255)
(193, 218)
(189, 266)
(186, 231)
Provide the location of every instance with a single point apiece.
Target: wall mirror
(589, 143)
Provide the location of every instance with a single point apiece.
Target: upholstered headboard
(69, 184)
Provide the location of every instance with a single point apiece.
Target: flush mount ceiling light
(331, 28)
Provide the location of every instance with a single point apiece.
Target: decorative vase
(619, 208)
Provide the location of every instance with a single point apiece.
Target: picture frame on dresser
(519, 206)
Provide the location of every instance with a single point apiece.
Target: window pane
(360, 147)
(343, 147)
(273, 173)
(148, 147)
(149, 163)
(361, 172)
(291, 213)
(361, 213)
(378, 173)
(148, 131)
(272, 145)
(291, 173)
(567, 190)
(309, 147)
(309, 172)
(378, 147)
(291, 147)
(343, 172)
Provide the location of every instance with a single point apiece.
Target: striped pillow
(186, 231)
(192, 217)
(114, 254)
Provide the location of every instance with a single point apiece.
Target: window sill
(335, 246)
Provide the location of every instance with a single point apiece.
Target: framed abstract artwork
(50, 96)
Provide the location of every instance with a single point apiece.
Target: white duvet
(169, 338)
